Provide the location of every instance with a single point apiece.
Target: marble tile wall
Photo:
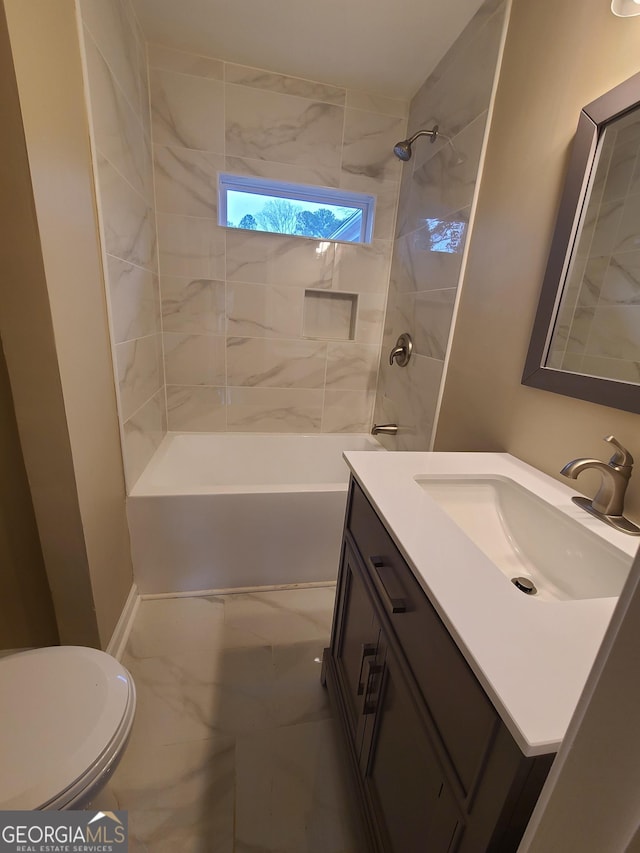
(249, 341)
(436, 193)
(598, 328)
(118, 94)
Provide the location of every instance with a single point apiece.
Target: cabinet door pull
(370, 704)
(368, 649)
(388, 585)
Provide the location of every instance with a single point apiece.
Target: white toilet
(65, 717)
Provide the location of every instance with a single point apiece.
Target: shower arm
(432, 133)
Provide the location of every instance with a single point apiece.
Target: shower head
(402, 149)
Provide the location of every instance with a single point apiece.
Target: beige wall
(559, 57)
(54, 326)
(26, 610)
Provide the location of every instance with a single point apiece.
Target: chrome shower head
(402, 149)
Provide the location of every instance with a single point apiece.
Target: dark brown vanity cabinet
(434, 767)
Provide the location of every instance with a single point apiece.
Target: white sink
(524, 536)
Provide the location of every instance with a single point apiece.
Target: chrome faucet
(608, 504)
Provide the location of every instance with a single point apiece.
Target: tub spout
(385, 429)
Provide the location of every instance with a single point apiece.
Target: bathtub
(237, 510)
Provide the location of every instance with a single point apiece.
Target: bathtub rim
(142, 489)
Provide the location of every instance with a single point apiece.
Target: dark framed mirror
(585, 341)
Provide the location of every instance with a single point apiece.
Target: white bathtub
(234, 510)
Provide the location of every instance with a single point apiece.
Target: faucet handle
(621, 457)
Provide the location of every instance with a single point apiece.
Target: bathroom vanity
(452, 687)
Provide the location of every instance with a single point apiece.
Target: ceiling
(387, 47)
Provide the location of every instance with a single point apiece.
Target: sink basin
(524, 536)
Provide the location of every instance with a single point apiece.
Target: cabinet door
(410, 799)
(355, 644)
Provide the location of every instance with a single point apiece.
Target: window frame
(333, 197)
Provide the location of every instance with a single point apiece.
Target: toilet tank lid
(60, 708)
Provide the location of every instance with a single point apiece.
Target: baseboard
(118, 641)
(200, 593)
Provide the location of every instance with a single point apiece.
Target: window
(445, 235)
(322, 213)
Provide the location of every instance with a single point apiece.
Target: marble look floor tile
(281, 617)
(290, 792)
(182, 698)
(233, 747)
(165, 626)
(298, 696)
(180, 796)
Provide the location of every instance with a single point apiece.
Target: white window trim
(303, 192)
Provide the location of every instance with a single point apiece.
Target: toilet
(65, 717)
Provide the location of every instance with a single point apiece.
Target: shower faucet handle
(401, 353)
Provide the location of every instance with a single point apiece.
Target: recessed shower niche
(328, 314)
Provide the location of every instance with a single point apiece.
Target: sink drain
(525, 584)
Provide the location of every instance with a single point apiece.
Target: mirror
(586, 336)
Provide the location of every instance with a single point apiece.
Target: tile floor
(234, 749)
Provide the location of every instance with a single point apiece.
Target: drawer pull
(368, 649)
(370, 704)
(388, 586)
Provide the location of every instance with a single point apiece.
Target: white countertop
(531, 656)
